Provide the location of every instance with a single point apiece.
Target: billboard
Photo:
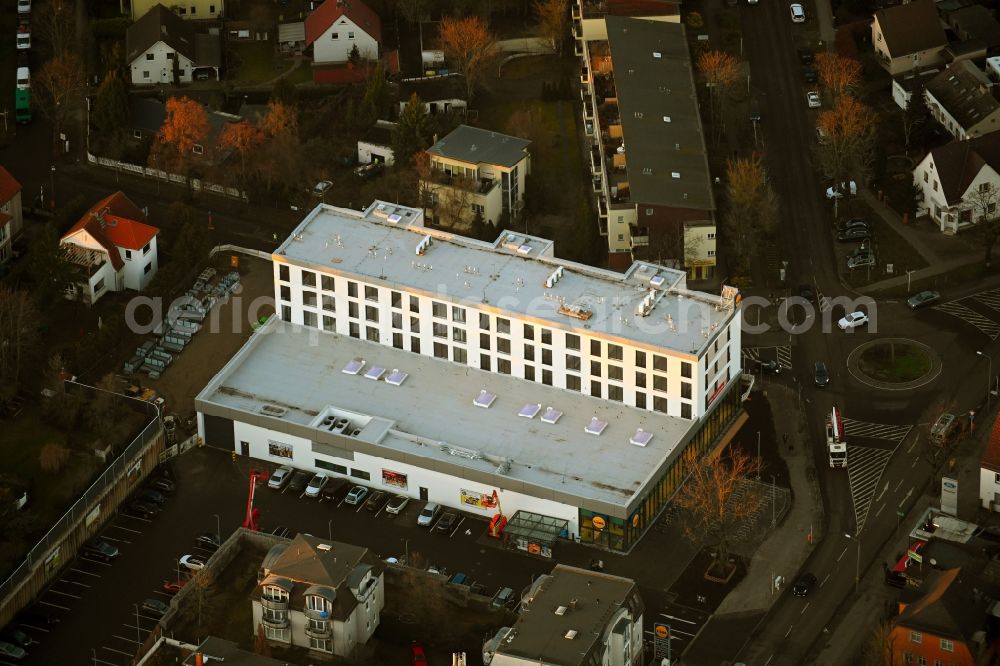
(477, 499)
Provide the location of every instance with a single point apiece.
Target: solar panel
(530, 410)
(641, 437)
(375, 373)
(596, 426)
(551, 415)
(484, 399)
(354, 366)
(396, 377)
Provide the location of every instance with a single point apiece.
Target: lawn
(895, 362)
(255, 62)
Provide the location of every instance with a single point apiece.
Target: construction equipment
(252, 519)
(836, 443)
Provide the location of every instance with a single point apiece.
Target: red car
(417, 653)
(172, 587)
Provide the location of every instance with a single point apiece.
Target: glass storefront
(620, 534)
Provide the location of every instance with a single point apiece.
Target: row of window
(342, 469)
(921, 660)
(918, 638)
(194, 10)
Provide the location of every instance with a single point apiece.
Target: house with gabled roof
(957, 180)
(193, 10)
(908, 36)
(337, 26)
(323, 595)
(112, 247)
(963, 100)
(163, 48)
(11, 220)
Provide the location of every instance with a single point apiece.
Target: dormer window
(275, 593)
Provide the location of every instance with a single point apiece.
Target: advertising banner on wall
(477, 499)
(394, 479)
(280, 449)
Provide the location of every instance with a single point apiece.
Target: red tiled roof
(991, 456)
(331, 10)
(121, 226)
(8, 186)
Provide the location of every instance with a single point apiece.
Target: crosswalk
(782, 353)
(987, 326)
(887, 431)
(990, 299)
(864, 470)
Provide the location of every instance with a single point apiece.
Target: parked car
(397, 504)
(821, 376)
(806, 56)
(173, 586)
(852, 223)
(368, 171)
(922, 299)
(280, 477)
(806, 292)
(23, 78)
(334, 490)
(809, 74)
(23, 6)
(155, 607)
(280, 531)
(11, 651)
(896, 579)
(321, 187)
(23, 37)
(769, 367)
(447, 522)
(804, 585)
(813, 99)
(428, 514)
(417, 656)
(859, 250)
(192, 562)
(151, 495)
(376, 501)
(17, 637)
(853, 320)
(316, 484)
(838, 191)
(299, 481)
(141, 509)
(861, 260)
(163, 484)
(99, 549)
(853, 234)
(798, 13)
(356, 495)
(502, 598)
(208, 540)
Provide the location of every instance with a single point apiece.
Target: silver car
(429, 514)
(280, 478)
(922, 299)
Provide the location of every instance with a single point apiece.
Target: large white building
(477, 373)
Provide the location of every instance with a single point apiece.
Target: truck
(836, 443)
(22, 105)
(947, 429)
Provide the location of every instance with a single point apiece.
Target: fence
(197, 184)
(56, 535)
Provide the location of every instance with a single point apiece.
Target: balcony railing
(312, 632)
(314, 614)
(273, 604)
(276, 623)
(640, 241)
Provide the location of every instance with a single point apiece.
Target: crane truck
(836, 443)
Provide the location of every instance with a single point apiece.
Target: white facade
(337, 41)
(84, 250)
(369, 152)
(989, 489)
(12, 228)
(156, 65)
(140, 265)
(953, 216)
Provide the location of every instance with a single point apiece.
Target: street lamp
(857, 564)
(908, 274)
(138, 636)
(329, 528)
(773, 493)
(989, 376)
(218, 530)
(52, 187)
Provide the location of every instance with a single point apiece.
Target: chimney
(435, 139)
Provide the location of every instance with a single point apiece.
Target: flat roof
(568, 600)
(512, 274)
(665, 151)
(474, 145)
(294, 374)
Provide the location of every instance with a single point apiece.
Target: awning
(289, 33)
(535, 527)
(727, 437)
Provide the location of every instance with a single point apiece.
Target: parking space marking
(93, 561)
(889, 432)
(122, 638)
(88, 573)
(455, 531)
(65, 594)
(865, 466)
(49, 603)
(73, 582)
(101, 661)
(127, 529)
(987, 326)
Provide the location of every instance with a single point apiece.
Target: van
(428, 514)
(945, 429)
(502, 598)
(23, 78)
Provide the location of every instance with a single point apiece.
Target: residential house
(963, 100)
(337, 26)
(440, 94)
(648, 159)
(188, 9)
(476, 171)
(147, 115)
(113, 248)
(292, 37)
(910, 83)
(941, 622)
(376, 145)
(164, 49)
(908, 36)
(989, 471)
(976, 25)
(959, 182)
(11, 220)
(573, 617)
(323, 595)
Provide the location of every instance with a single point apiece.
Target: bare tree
(838, 74)
(914, 118)
(715, 511)
(19, 322)
(470, 47)
(720, 71)
(59, 82)
(753, 207)
(878, 649)
(55, 22)
(553, 22)
(850, 142)
(53, 457)
(984, 200)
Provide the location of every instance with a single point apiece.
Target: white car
(798, 13)
(838, 191)
(23, 6)
(192, 562)
(23, 39)
(853, 320)
(321, 187)
(23, 78)
(316, 485)
(813, 100)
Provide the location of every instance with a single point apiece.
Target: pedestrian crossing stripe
(865, 466)
(889, 432)
(989, 327)
(783, 354)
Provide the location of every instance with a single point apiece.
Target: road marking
(89, 573)
(884, 488)
(65, 594)
(865, 466)
(913, 446)
(914, 463)
(789, 630)
(93, 561)
(908, 493)
(842, 554)
(680, 619)
(896, 489)
(804, 608)
(888, 431)
(73, 582)
(49, 603)
(986, 326)
(101, 661)
(127, 654)
(768, 660)
(108, 538)
(455, 531)
(824, 580)
(879, 510)
(127, 529)
(127, 640)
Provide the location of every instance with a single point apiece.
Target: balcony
(577, 10)
(588, 110)
(276, 623)
(325, 632)
(273, 604)
(639, 241)
(595, 161)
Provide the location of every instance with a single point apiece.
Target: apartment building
(573, 617)
(11, 219)
(473, 172)
(323, 595)
(411, 334)
(649, 163)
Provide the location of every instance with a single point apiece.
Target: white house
(440, 94)
(337, 26)
(11, 220)
(909, 36)
(163, 48)
(957, 181)
(961, 99)
(989, 474)
(112, 247)
(376, 144)
(323, 595)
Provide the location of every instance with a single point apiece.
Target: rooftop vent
(394, 218)
(485, 399)
(657, 54)
(323, 546)
(667, 119)
(675, 174)
(423, 245)
(273, 410)
(596, 426)
(396, 377)
(354, 366)
(524, 249)
(641, 437)
(561, 610)
(576, 311)
(570, 635)
(551, 280)
(656, 281)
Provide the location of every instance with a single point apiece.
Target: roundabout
(894, 364)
